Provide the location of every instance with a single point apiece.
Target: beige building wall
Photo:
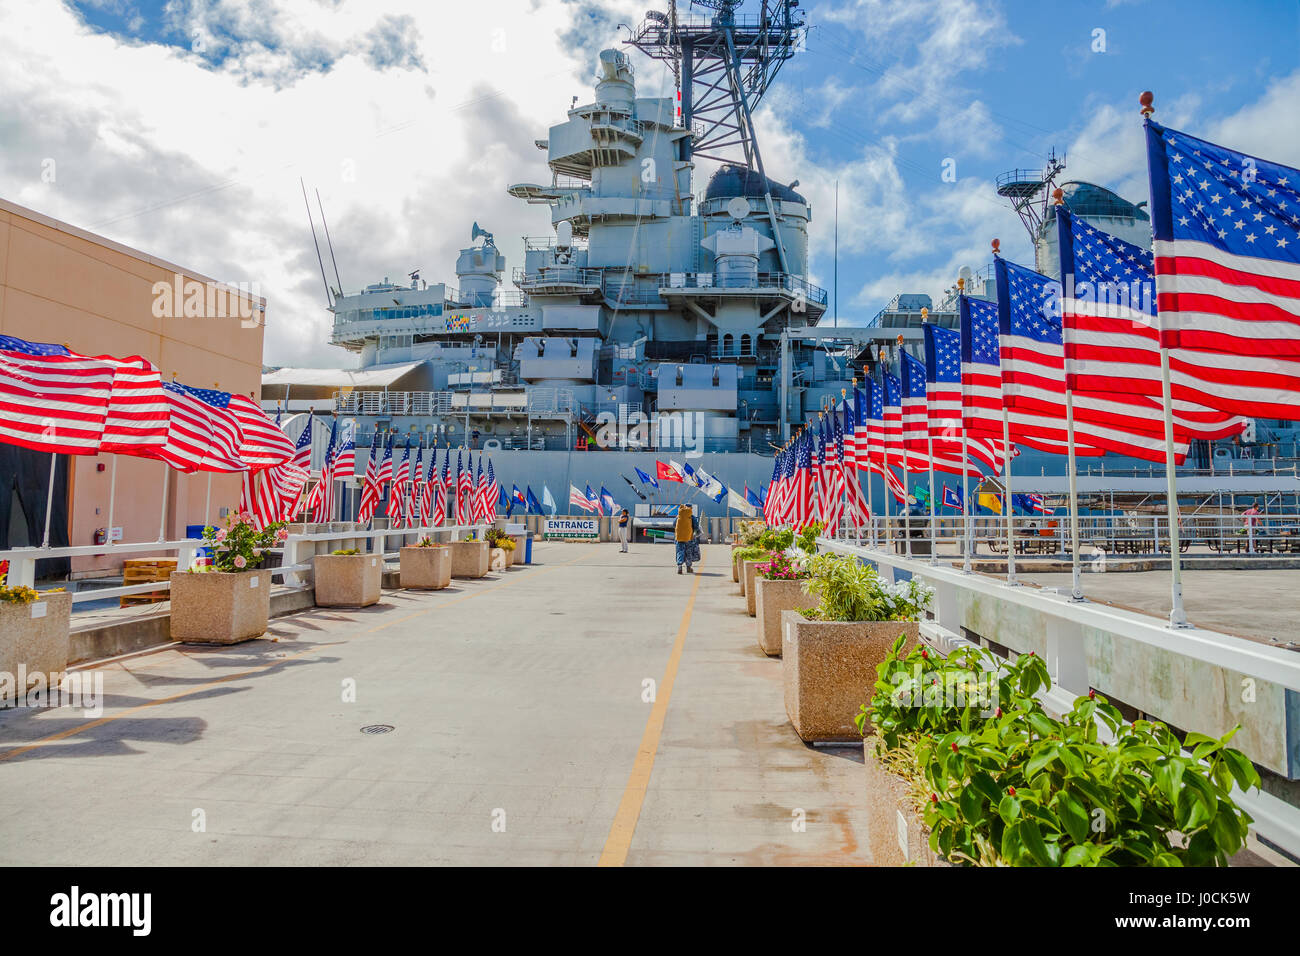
(62, 284)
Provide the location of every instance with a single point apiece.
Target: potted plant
(830, 652)
(742, 557)
(746, 534)
(779, 586)
(984, 776)
(348, 578)
(469, 557)
(499, 540)
(229, 600)
(425, 565)
(33, 635)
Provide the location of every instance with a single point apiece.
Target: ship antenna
(330, 243)
(329, 300)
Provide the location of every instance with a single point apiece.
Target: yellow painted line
(629, 808)
(101, 721)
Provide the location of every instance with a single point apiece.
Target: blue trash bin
(528, 549)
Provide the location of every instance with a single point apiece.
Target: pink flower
(221, 534)
(282, 534)
(245, 518)
(240, 561)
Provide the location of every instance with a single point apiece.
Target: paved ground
(1250, 603)
(517, 700)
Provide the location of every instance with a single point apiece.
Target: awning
(376, 376)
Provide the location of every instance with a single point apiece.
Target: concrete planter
(425, 568)
(469, 559)
(218, 607)
(348, 580)
(34, 637)
(771, 598)
(896, 835)
(830, 671)
(735, 571)
(751, 585)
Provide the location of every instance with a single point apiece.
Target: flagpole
(49, 500)
(1177, 616)
(112, 500)
(934, 547)
(1076, 588)
(965, 496)
(907, 511)
(162, 521)
(1006, 496)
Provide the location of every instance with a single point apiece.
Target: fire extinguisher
(101, 536)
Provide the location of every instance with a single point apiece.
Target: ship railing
(793, 284)
(558, 276)
(547, 243)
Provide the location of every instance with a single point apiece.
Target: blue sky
(411, 118)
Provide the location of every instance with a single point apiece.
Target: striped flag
(832, 473)
(481, 504)
(302, 448)
(201, 436)
(430, 480)
(345, 459)
(417, 512)
(371, 487)
(52, 399)
(492, 496)
(401, 473)
(944, 397)
(464, 491)
(138, 410)
(442, 490)
(858, 511)
(1227, 268)
(262, 444)
(321, 500)
(1033, 375)
(582, 499)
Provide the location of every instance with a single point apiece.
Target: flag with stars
(944, 398)
(1033, 378)
(1108, 323)
(1227, 271)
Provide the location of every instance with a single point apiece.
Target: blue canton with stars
(942, 354)
(1100, 257)
(979, 332)
(913, 377)
(1206, 193)
(1028, 303)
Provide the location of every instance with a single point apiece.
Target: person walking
(624, 530)
(685, 533)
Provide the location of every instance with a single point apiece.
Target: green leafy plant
(497, 538)
(241, 545)
(748, 532)
(852, 591)
(427, 542)
(1013, 785)
(346, 551)
(776, 539)
(750, 553)
(808, 537)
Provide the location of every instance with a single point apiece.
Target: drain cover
(377, 729)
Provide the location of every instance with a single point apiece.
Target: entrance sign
(587, 528)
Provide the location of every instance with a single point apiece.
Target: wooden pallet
(146, 571)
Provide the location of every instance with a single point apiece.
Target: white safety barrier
(294, 570)
(1065, 622)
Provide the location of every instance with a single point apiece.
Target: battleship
(655, 321)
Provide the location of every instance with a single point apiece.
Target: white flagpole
(49, 499)
(162, 521)
(1177, 616)
(112, 500)
(207, 501)
(1006, 493)
(929, 440)
(965, 496)
(871, 509)
(1076, 587)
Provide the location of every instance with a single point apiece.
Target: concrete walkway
(526, 732)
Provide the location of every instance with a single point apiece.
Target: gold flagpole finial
(1146, 99)
(997, 247)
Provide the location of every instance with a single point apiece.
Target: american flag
(801, 489)
(430, 480)
(371, 487)
(385, 473)
(874, 409)
(944, 395)
(396, 509)
(302, 448)
(1033, 375)
(201, 436)
(896, 450)
(493, 495)
(137, 408)
(464, 491)
(442, 493)
(833, 472)
(261, 443)
(579, 499)
(1108, 323)
(942, 451)
(1227, 250)
(480, 493)
(770, 511)
(856, 502)
(52, 399)
(981, 379)
(345, 459)
(321, 500)
(416, 513)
